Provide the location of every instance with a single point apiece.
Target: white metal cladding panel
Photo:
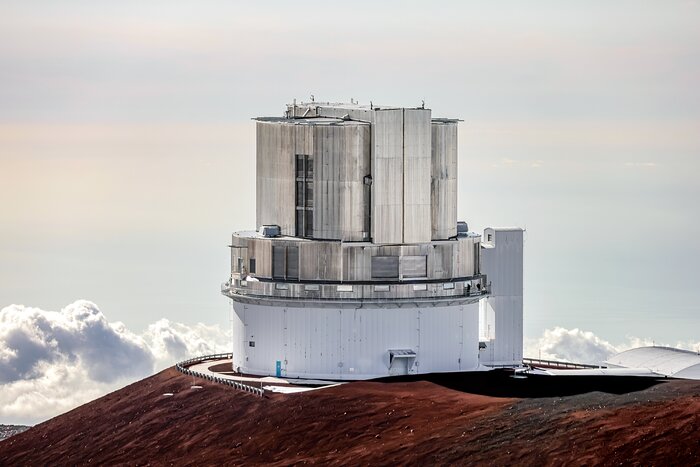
(440, 262)
(414, 266)
(304, 139)
(312, 342)
(449, 338)
(341, 161)
(415, 250)
(238, 333)
(374, 332)
(487, 321)
(507, 329)
(274, 188)
(464, 259)
(357, 166)
(328, 343)
(357, 262)
(387, 176)
(503, 265)
(320, 261)
(444, 180)
(264, 326)
(261, 250)
(416, 176)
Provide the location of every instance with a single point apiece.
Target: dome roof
(665, 361)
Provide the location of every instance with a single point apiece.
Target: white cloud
(53, 361)
(170, 342)
(578, 346)
(571, 345)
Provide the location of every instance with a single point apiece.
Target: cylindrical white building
(357, 268)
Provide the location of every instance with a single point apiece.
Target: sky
(127, 156)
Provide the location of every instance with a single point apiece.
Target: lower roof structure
(665, 361)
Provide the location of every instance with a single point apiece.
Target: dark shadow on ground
(503, 383)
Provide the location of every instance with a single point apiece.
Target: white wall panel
(502, 262)
(354, 343)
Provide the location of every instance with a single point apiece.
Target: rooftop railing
(555, 364)
(469, 288)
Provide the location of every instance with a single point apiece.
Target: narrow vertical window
(304, 194)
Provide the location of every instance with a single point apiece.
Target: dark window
(309, 195)
(309, 223)
(309, 167)
(300, 166)
(300, 191)
(251, 344)
(292, 262)
(300, 222)
(251, 265)
(304, 194)
(278, 262)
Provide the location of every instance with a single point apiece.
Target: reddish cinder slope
(363, 423)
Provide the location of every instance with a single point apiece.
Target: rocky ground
(471, 419)
(10, 430)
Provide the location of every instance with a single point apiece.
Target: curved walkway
(200, 367)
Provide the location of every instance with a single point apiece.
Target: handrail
(555, 363)
(183, 367)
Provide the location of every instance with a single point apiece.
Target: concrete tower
(358, 267)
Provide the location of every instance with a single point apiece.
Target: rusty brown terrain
(414, 422)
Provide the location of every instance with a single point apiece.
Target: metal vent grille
(385, 267)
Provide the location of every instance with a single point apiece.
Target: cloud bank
(52, 361)
(576, 345)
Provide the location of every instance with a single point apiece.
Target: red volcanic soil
(386, 423)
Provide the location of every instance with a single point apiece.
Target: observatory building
(358, 267)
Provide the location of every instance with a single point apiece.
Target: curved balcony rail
(471, 289)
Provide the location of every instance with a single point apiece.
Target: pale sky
(127, 151)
